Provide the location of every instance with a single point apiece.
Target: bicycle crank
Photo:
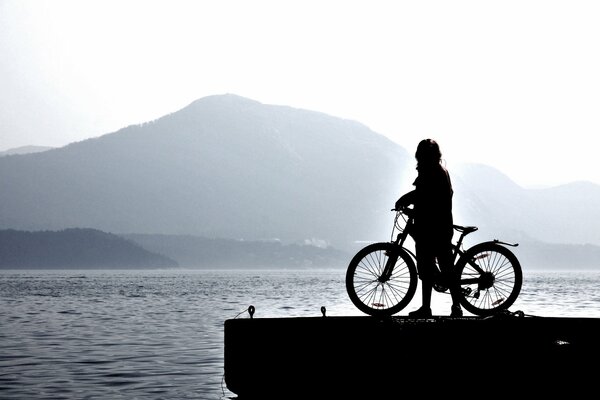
(486, 281)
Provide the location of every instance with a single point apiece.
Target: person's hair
(428, 152)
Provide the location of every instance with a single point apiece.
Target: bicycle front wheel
(490, 279)
(373, 293)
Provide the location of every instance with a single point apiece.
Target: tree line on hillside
(74, 248)
(199, 252)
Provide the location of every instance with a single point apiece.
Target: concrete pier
(372, 358)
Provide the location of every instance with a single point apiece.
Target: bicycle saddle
(465, 229)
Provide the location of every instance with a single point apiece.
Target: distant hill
(198, 252)
(537, 255)
(24, 150)
(74, 248)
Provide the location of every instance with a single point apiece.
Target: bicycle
(381, 278)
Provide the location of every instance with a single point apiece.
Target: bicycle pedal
(440, 288)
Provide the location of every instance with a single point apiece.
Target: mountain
(224, 166)
(227, 167)
(24, 150)
(74, 248)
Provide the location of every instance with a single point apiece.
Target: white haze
(512, 84)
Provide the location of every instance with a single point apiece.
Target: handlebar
(405, 210)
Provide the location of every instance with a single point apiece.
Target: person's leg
(427, 269)
(447, 273)
(426, 288)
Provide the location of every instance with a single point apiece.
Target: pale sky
(512, 84)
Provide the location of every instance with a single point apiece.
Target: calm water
(159, 334)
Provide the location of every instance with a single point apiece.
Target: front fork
(392, 257)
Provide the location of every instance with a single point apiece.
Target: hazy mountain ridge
(24, 150)
(74, 248)
(565, 214)
(199, 252)
(233, 168)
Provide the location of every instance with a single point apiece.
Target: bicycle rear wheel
(373, 294)
(490, 279)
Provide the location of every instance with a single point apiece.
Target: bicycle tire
(501, 285)
(364, 287)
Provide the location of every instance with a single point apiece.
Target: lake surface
(158, 334)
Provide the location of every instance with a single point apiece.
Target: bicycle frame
(399, 241)
(457, 252)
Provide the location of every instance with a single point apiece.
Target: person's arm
(406, 200)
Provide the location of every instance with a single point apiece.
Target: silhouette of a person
(432, 230)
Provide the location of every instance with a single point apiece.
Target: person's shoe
(423, 312)
(456, 311)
